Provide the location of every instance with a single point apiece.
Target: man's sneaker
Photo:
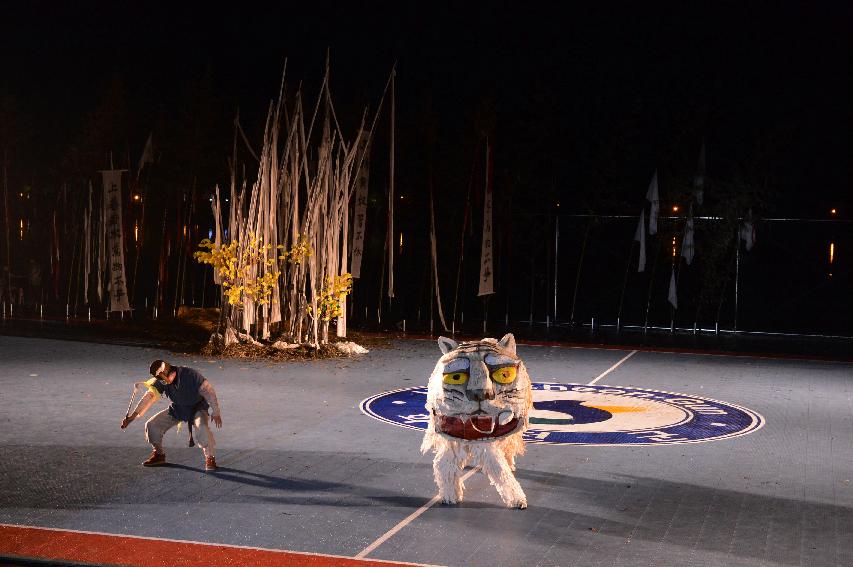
(210, 464)
(155, 459)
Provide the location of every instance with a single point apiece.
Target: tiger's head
(479, 391)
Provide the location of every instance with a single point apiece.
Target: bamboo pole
(8, 231)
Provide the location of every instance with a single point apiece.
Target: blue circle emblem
(578, 414)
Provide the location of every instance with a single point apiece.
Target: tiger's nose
(478, 395)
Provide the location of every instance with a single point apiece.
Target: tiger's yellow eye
(455, 378)
(504, 375)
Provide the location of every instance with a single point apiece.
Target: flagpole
(71, 275)
(78, 265)
(580, 265)
(624, 285)
(391, 193)
(737, 276)
(532, 284)
(676, 265)
(556, 260)
(6, 218)
(431, 303)
(462, 238)
(144, 197)
(651, 282)
(723, 291)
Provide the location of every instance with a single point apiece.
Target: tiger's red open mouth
(475, 427)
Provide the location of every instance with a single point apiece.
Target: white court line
(414, 515)
(612, 368)
(406, 521)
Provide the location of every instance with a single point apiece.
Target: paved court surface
(304, 470)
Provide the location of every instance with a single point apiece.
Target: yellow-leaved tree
(238, 269)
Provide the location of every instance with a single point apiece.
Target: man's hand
(217, 420)
(126, 421)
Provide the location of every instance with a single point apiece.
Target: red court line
(93, 547)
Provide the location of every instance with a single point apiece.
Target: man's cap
(157, 367)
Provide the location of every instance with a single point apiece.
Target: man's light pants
(158, 425)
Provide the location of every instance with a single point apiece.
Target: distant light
(136, 232)
(401, 240)
(21, 194)
(673, 244)
(401, 197)
(22, 229)
(558, 205)
(833, 211)
(136, 197)
(831, 252)
(210, 234)
(675, 208)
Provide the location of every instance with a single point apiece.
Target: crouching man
(191, 395)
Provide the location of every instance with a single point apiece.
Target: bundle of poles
(298, 205)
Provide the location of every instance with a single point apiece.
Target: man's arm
(146, 402)
(209, 394)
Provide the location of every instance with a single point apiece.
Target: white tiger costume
(479, 396)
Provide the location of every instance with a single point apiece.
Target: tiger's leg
(509, 454)
(513, 447)
(446, 471)
(497, 469)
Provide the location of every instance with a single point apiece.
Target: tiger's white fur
(482, 396)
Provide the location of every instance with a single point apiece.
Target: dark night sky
(590, 99)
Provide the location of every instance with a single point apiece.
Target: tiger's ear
(446, 345)
(508, 342)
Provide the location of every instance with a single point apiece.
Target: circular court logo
(577, 414)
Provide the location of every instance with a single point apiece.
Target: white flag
(653, 197)
(699, 180)
(486, 260)
(687, 246)
(747, 232)
(115, 241)
(640, 236)
(147, 155)
(673, 293)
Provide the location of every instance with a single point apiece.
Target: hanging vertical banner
(486, 260)
(360, 213)
(115, 241)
